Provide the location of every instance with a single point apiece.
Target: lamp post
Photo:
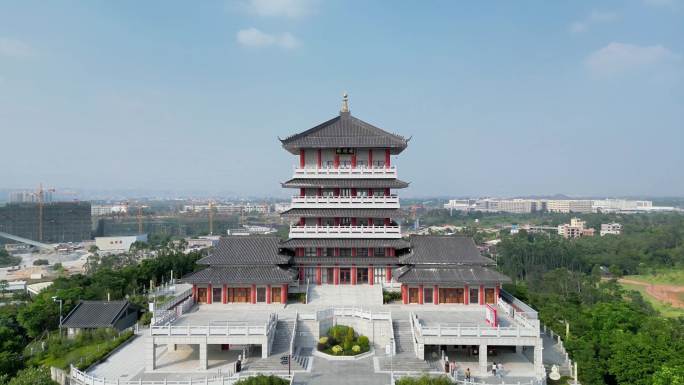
(55, 299)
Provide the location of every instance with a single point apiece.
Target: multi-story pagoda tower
(344, 214)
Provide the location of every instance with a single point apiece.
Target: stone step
(404, 363)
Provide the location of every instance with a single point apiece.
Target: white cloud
(595, 17)
(281, 8)
(252, 37)
(15, 48)
(616, 58)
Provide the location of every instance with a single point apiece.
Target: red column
(435, 295)
(319, 192)
(387, 222)
(268, 293)
(224, 294)
(388, 273)
(318, 274)
(420, 294)
(194, 292)
(337, 161)
(353, 251)
(319, 158)
(370, 251)
(319, 221)
(353, 221)
(496, 294)
(319, 251)
(387, 191)
(302, 191)
(302, 157)
(466, 295)
(283, 294)
(302, 221)
(353, 274)
(353, 191)
(337, 252)
(404, 294)
(387, 158)
(353, 160)
(301, 273)
(371, 277)
(253, 292)
(481, 301)
(370, 157)
(210, 294)
(336, 271)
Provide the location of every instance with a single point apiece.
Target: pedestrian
(500, 370)
(452, 368)
(494, 368)
(467, 375)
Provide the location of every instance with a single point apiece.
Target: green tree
(32, 376)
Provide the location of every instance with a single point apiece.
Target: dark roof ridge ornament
(344, 111)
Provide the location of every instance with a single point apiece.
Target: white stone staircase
(345, 295)
(280, 348)
(405, 360)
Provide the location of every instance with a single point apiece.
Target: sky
(501, 98)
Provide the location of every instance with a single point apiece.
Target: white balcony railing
(345, 231)
(357, 202)
(346, 172)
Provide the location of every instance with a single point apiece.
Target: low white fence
(165, 317)
(178, 298)
(81, 378)
(345, 312)
(228, 329)
(458, 330)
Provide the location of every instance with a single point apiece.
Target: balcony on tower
(391, 231)
(351, 202)
(375, 171)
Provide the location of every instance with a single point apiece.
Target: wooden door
(275, 295)
(489, 296)
(413, 295)
(202, 294)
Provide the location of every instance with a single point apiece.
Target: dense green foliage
(616, 337)
(120, 276)
(81, 351)
(29, 376)
(649, 242)
(390, 296)
(263, 380)
(8, 260)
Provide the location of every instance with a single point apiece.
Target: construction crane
(211, 218)
(40, 195)
(140, 219)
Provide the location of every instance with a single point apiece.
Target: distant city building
(57, 222)
(251, 230)
(228, 209)
(568, 205)
(104, 210)
(29, 196)
(203, 242)
(118, 244)
(575, 229)
(610, 228)
(281, 207)
(618, 205)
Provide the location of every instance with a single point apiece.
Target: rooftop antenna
(345, 103)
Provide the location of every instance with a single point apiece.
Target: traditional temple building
(346, 231)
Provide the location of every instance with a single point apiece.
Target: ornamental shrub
(323, 340)
(356, 349)
(363, 342)
(337, 349)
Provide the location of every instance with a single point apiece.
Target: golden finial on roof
(345, 103)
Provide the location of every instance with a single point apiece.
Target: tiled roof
(459, 276)
(95, 314)
(246, 250)
(345, 243)
(241, 274)
(345, 183)
(345, 131)
(444, 250)
(344, 213)
(380, 261)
